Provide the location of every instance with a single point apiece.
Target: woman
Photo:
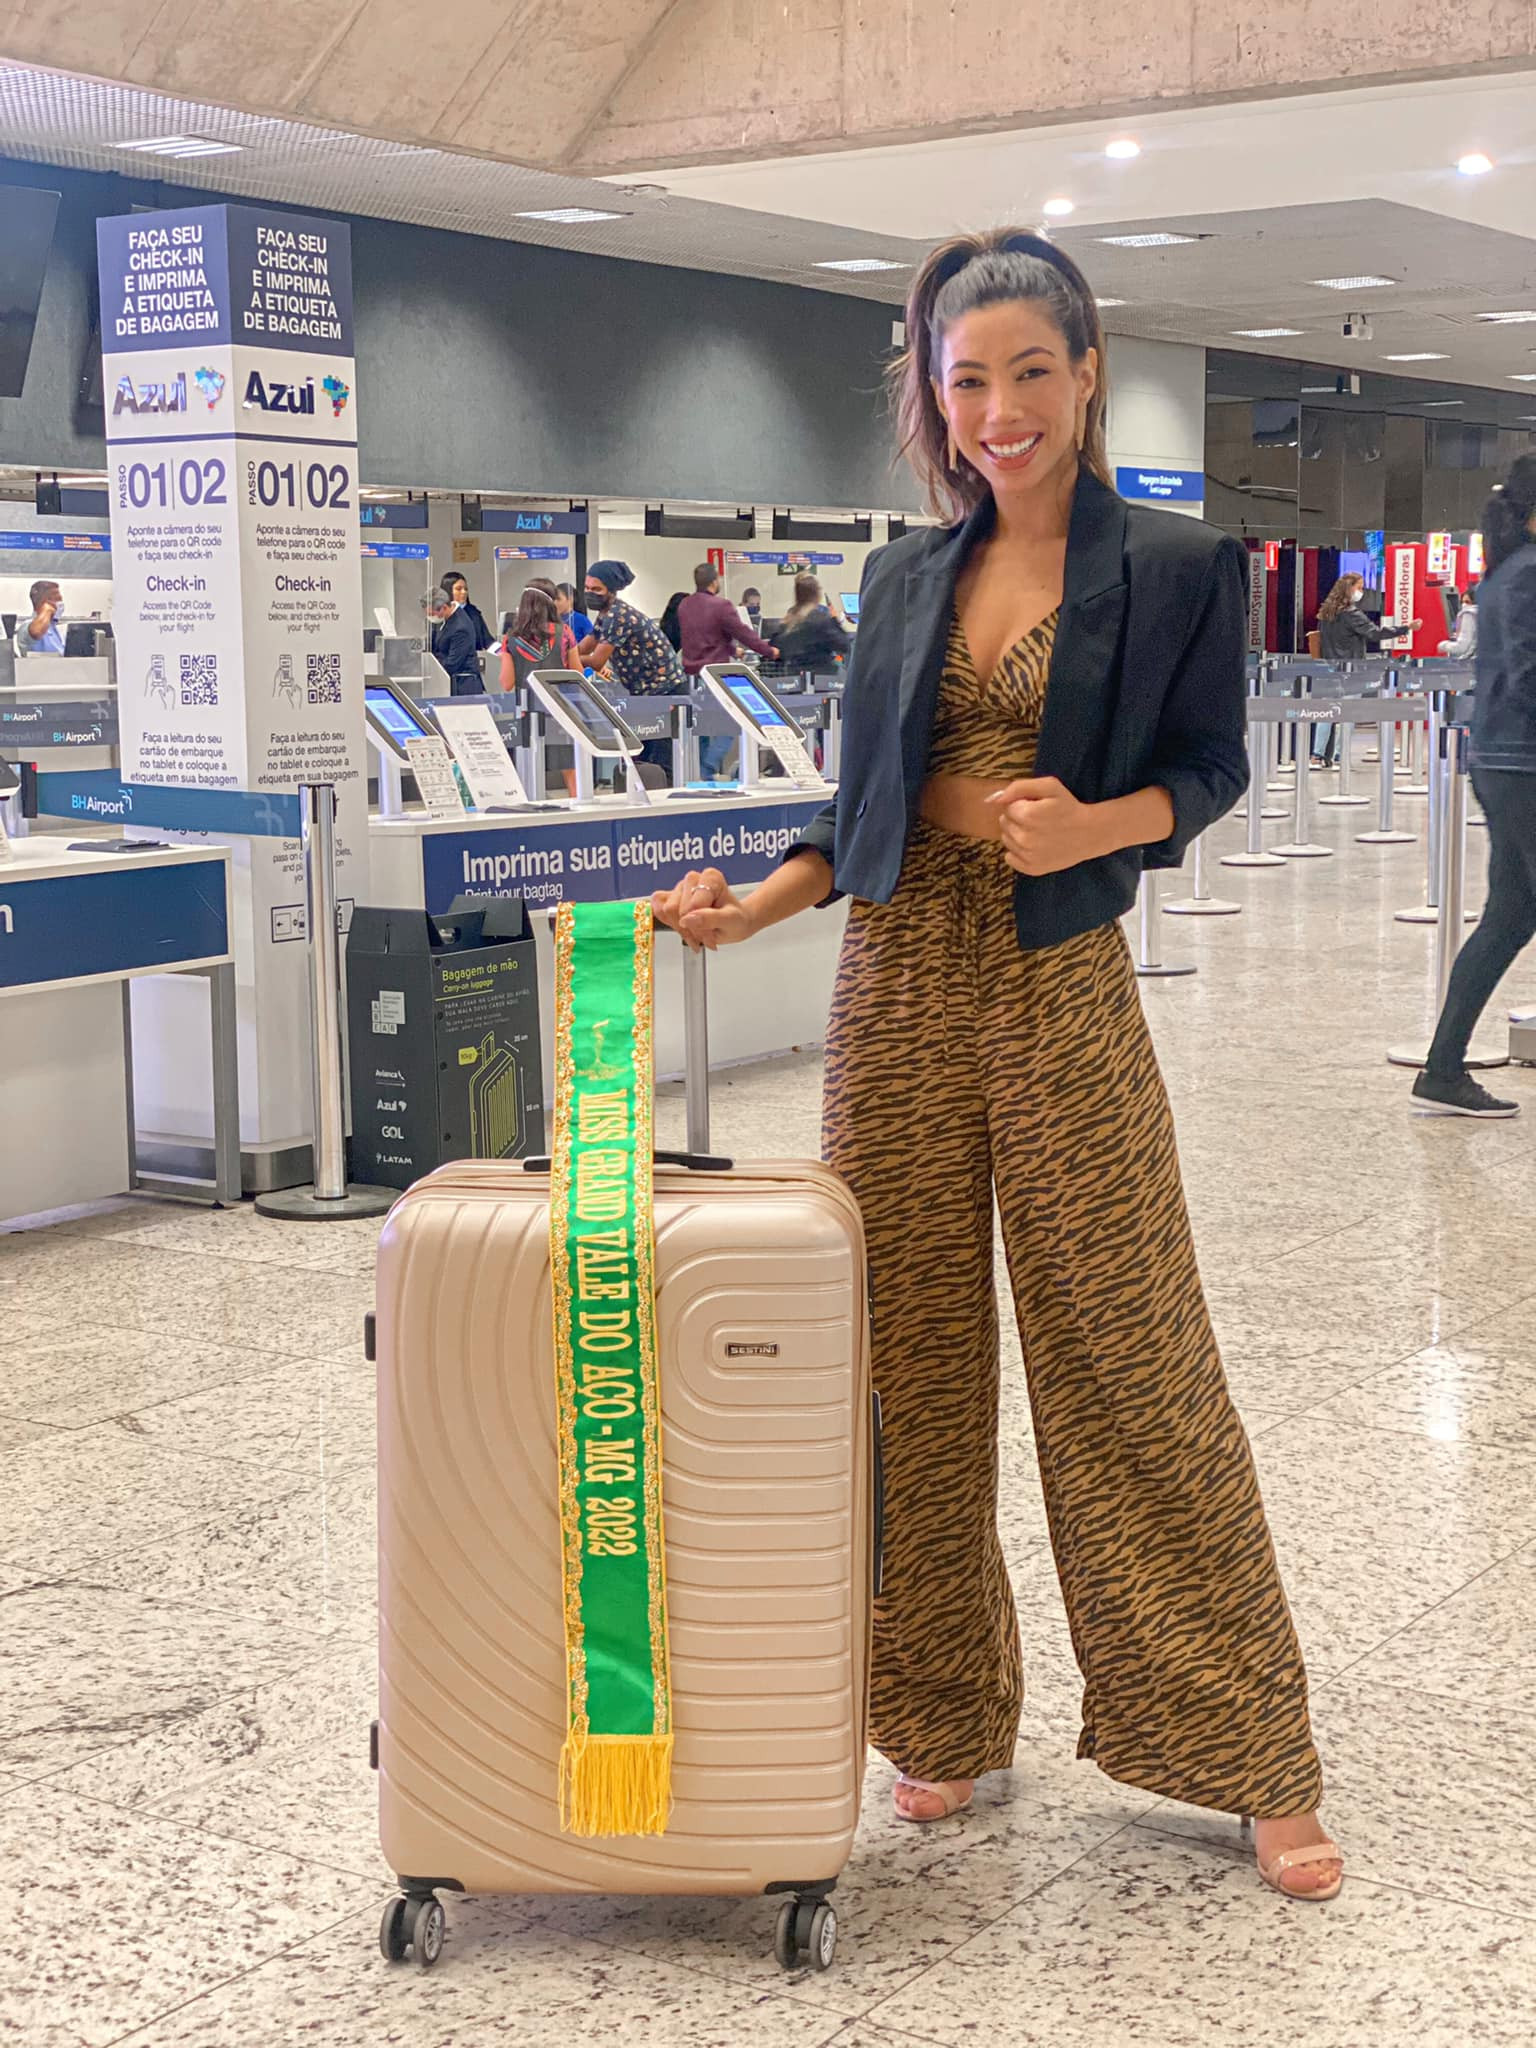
(458, 590)
(1462, 645)
(1044, 700)
(810, 638)
(1346, 634)
(670, 626)
(537, 638)
(1504, 777)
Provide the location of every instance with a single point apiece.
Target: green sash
(616, 1765)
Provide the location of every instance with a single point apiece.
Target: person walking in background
(643, 661)
(571, 612)
(712, 628)
(458, 590)
(671, 630)
(810, 638)
(454, 641)
(1046, 700)
(1504, 777)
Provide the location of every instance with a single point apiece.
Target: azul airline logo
(165, 394)
(273, 394)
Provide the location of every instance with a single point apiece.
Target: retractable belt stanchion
(1258, 769)
(1344, 797)
(1386, 833)
(1200, 902)
(1451, 768)
(329, 1196)
(696, 1038)
(1301, 845)
(1430, 911)
(1149, 959)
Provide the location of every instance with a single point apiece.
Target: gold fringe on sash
(615, 1784)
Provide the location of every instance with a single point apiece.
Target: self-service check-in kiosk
(764, 726)
(596, 731)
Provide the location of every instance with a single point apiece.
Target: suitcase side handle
(696, 1162)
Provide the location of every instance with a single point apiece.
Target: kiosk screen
(395, 717)
(587, 711)
(752, 701)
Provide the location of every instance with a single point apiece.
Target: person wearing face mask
(643, 662)
(1046, 699)
(452, 639)
(43, 633)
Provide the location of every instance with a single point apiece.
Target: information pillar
(237, 605)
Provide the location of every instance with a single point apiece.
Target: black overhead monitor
(25, 240)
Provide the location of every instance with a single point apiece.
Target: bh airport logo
(166, 394)
(273, 394)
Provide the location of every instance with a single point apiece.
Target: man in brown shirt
(712, 628)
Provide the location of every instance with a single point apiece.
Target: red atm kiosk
(1417, 572)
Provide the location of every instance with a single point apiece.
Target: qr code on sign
(199, 679)
(324, 674)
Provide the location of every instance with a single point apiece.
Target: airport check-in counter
(59, 712)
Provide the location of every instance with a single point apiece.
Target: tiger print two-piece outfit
(960, 1066)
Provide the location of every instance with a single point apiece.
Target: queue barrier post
(1254, 855)
(1301, 845)
(1453, 741)
(1149, 959)
(1200, 902)
(1343, 797)
(1386, 832)
(329, 1196)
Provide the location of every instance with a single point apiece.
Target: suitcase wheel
(805, 1933)
(413, 1927)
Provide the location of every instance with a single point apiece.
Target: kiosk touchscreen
(763, 722)
(393, 718)
(851, 606)
(589, 721)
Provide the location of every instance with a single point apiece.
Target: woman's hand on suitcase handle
(704, 910)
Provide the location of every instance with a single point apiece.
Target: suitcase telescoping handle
(698, 1157)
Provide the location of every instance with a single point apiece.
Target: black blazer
(1146, 687)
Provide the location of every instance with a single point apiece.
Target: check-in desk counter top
(55, 707)
(769, 996)
(76, 930)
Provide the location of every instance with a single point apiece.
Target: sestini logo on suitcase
(751, 1350)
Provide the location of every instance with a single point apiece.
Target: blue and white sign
(128, 920)
(396, 550)
(97, 793)
(413, 514)
(500, 519)
(30, 541)
(783, 557)
(602, 860)
(237, 589)
(1161, 486)
(533, 554)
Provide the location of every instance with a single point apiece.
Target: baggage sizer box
(443, 1038)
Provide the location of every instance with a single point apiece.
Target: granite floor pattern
(186, 1594)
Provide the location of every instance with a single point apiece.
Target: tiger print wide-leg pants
(958, 1064)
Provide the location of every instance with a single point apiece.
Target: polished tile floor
(186, 1677)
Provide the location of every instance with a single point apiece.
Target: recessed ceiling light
(1160, 240)
(1352, 284)
(1425, 355)
(1104, 304)
(182, 146)
(1523, 377)
(569, 216)
(1058, 209)
(863, 263)
(1122, 149)
(1474, 164)
(1429, 402)
(1315, 390)
(1266, 333)
(1507, 319)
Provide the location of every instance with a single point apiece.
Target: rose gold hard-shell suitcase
(769, 1485)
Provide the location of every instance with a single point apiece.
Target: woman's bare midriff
(958, 803)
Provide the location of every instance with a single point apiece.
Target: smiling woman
(1043, 702)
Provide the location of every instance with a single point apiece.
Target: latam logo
(274, 395)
